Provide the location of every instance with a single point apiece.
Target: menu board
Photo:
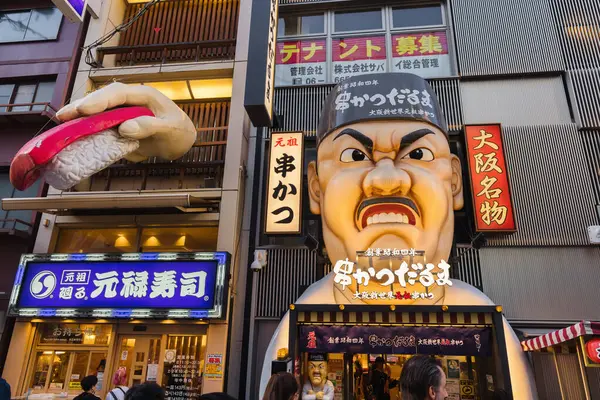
(183, 377)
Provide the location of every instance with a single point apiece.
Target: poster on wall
(358, 56)
(301, 62)
(284, 187)
(492, 201)
(214, 366)
(424, 54)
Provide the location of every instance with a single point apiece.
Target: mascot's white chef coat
(460, 293)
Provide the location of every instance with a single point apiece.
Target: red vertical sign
(492, 202)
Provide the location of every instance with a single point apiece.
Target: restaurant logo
(406, 276)
(42, 285)
(312, 340)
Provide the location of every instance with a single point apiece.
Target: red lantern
(592, 348)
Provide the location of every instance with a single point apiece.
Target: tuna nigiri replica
(115, 122)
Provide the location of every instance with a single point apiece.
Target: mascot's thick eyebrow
(360, 137)
(406, 141)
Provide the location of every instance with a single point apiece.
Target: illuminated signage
(260, 86)
(489, 179)
(407, 275)
(591, 349)
(284, 188)
(128, 285)
(74, 10)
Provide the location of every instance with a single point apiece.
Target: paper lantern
(592, 348)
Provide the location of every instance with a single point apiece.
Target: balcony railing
(169, 52)
(27, 113)
(201, 167)
(14, 226)
(176, 31)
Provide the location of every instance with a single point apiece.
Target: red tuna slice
(27, 166)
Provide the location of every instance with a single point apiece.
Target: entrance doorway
(139, 355)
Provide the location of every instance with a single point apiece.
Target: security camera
(260, 260)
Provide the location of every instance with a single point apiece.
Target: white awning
(195, 201)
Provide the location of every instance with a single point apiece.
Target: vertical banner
(258, 99)
(492, 202)
(424, 54)
(284, 188)
(357, 56)
(302, 62)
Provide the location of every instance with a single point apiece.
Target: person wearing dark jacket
(4, 389)
(88, 384)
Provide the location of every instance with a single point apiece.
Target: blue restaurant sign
(138, 285)
(74, 10)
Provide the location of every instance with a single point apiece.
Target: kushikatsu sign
(129, 285)
(405, 279)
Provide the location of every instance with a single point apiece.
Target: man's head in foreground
(422, 378)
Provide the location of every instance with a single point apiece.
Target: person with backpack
(119, 380)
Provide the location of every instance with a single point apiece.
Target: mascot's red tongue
(29, 162)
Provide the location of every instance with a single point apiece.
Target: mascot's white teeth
(86, 156)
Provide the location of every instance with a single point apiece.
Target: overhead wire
(89, 56)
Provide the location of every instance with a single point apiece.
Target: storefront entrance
(336, 348)
(139, 355)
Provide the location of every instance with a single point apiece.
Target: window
(23, 94)
(358, 21)
(5, 95)
(30, 25)
(129, 240)
(419, 16)
(301, 25)
(356, 42)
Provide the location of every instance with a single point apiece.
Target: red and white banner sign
(424, 54)
(301, 62)
(492, 202)
(358, 56)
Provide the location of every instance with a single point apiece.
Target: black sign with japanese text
(396, 340)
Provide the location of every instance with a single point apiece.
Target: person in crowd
(4, 389)
(380, 382)
(282, 386)
(88, 384)
(146, 391)
(120, 382)
(423, 378)
(216, 396)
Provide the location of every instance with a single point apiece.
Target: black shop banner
(396, 340)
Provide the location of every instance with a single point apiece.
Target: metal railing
(41, 107)
(169, 52)
(11, 225)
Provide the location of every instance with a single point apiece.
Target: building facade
(36, 48)
(177, 212)
(531, 67)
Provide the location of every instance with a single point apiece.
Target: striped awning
(562, 335)
(392, 317)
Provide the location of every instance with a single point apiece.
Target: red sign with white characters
(492, 202)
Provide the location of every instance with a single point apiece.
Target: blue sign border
(220, 294)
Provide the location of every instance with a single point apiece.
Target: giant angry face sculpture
(95, 138)
(384, 175)
(317, 370)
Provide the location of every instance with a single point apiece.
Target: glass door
(139, 355)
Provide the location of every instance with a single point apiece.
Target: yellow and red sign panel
(492, 202)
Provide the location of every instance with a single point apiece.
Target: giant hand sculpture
(94, 138)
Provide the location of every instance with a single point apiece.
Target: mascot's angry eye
(353, 155)
(421, 154)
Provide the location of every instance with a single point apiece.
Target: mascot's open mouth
(386, 210)
(75, 150)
